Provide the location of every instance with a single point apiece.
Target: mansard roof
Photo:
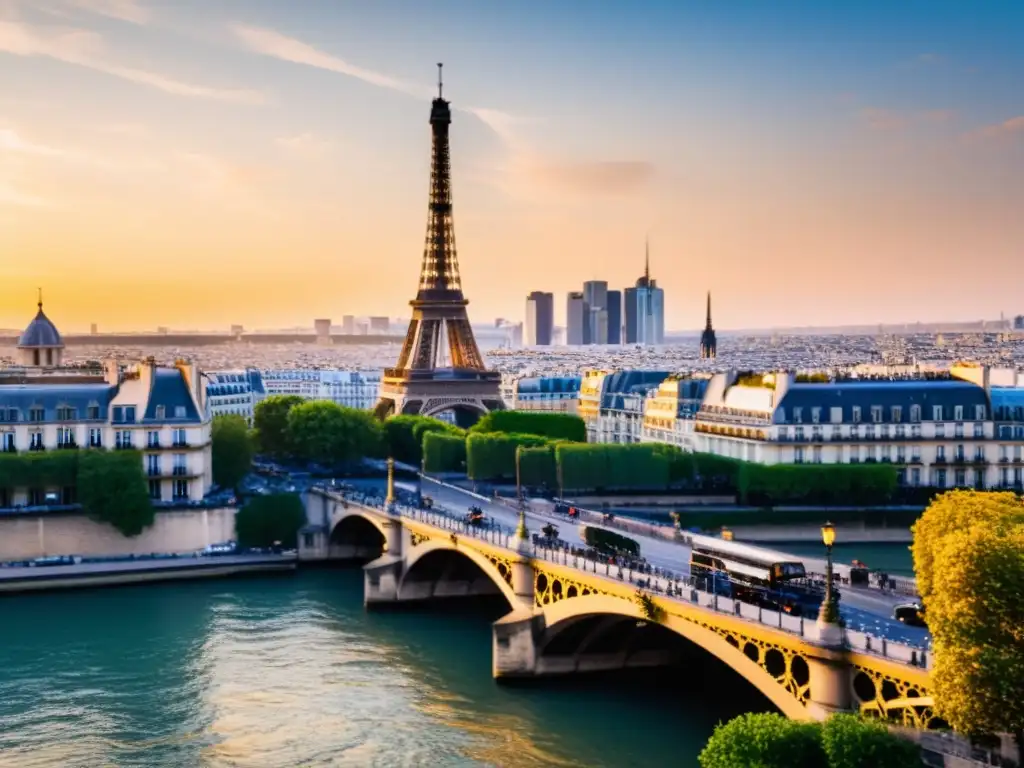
(169, 388)
(50, 397)
(618, 385)
(886, 393)
(536, 385)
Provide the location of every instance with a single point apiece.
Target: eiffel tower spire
(440, 362)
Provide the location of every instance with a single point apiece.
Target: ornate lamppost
(829, 613)
(389, 502)
(521, 532)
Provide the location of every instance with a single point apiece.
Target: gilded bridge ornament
(889, 698)
(548, 589)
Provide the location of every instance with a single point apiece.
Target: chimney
(111, 371)
(193, 380)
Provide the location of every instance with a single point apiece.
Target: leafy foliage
(405, 435)
(265, 520)
(610, 466)
(270, 422)
(492, 456)
(39, 470)
(839, 484)
(537, 466)
(852, 742)
(231, 452)
(764, 741)
(953, 513)
(649, 609)
(443, 452)
(558, 426)
(325, 432)
(976, 616)
(112, 489)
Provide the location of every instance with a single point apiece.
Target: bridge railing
(657, 581)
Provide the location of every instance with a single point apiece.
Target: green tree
(953, 513)
(764, 741)
(850, 741)
(231, 452)
(405, 434)
(112, 489)
(265, 520)
(327, 433)
(270, 422)
(976, 617)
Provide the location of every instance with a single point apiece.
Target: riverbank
(124, 572)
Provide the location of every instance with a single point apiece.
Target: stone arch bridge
(569, 616)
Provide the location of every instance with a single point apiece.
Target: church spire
(708, 342)
(647, 260)
(40, 304)
(708, 324)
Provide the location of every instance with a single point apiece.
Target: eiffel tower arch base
(468, 409)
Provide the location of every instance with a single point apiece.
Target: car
(911, 614)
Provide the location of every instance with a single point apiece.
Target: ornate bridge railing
(662, 583)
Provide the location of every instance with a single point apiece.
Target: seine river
(291, 671)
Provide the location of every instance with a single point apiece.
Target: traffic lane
(862, 612)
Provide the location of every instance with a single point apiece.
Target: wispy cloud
(86, 49)
(123, 10)
(891, 120)
(271, 43)
(1000, 131)
(306, 145)
(12, 141)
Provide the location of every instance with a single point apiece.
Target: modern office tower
(323, 330)
(540, 319)
(576, 319)
(645, 309)
(380, 325)
(708, 342)
(614, 317)
(348, 325)
(595, 294)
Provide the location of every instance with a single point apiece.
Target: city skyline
(201, 166)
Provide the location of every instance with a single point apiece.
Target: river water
(291, 671)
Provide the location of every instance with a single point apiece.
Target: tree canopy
(265, 520)
(325, 432)
(270, 421)
(772, 741)
(558, 426)
(112, 489)
(231, 452)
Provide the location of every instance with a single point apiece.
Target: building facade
(614, 317)
(611, 404)
(540, 319)
(670, 412)
(157, 410)
(577, 315)
(234, 393)
(352, 389)
(557, 394)
(644, 309)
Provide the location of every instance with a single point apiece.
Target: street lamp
(829, 613)
(521, 532)
(390, 500)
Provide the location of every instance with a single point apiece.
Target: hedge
(266, 520)
(827, 484)
(537, 467)
(492, 456)
(608, 542)
(443, 452)
(558, 426)
(405, 435)
(610, 466)
(50, 469)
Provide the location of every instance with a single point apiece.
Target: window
(7, 442)
(35, 441)
(876, 414)
(979, 413)
(798, 415)
(915, 476)
(836, 414)
(65, 437)
(153, 439)
(154, 490)
(95, 437)
(936, 413)
(915, 431)
(915, 413)
(940, 453)
(798, 455)
(36, 413)
(901, 431)
(129, 414)
(897, 413)
(307, 540)
(66, 413)
(961, 478)
(123, 438)
(118, 415)
(152, 465)
(181, 489)
(958, 413)
(979, 429)
(160, 413)
(92, 412)
(940, 430)
(901, 454)
(179, 412)
(855, 414)
(940, 478)
(815, 415)
(958, 430)
(979, 453)
(180, 464)
(179, 438)
(959, 453)
(817, 454)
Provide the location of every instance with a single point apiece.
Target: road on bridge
(864, 610)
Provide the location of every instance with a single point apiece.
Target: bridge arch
(355, 534)
(566, 617)
(441, 568)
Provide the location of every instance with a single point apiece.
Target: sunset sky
(196, 163)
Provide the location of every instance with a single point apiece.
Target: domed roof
(40, 333)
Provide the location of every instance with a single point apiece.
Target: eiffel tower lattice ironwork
(440, 367)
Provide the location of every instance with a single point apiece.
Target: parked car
(911, 614)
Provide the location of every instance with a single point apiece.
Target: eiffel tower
(440, 367)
